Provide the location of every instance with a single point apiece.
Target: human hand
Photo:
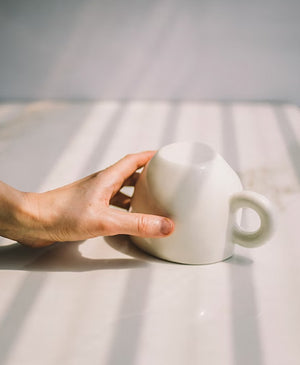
(83, 209)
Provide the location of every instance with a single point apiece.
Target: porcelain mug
(202, 194)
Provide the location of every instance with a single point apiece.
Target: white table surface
(102, 301)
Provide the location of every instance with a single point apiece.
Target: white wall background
(150, 49)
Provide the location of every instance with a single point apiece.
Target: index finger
(124, 168)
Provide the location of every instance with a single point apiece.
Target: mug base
(176, 260)
(197, 263)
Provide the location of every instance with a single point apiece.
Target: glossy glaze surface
(192, 184)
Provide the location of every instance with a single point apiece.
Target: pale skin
(80, 210)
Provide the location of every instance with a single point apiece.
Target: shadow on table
(60, 257)
(64, 256)
(124, 244)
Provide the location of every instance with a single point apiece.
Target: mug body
(191, 184)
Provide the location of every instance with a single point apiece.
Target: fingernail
(166, 226)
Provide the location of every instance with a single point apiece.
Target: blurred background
(150, 49)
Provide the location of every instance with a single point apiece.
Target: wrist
(20, 219)
(10, 207)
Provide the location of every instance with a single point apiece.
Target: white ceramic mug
(196, 187)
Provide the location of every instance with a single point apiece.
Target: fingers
(136, 224)
(120, 200)
(124, 168)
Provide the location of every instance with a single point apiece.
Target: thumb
(142, 225)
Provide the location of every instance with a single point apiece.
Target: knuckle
(142, 224)
(103, 228)
(129, 156)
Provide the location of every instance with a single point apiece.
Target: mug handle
(263, 207)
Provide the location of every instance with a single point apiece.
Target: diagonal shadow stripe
(39, 137)
(18, 310)
(129, 328)
(105, 139)
(230, 151)
(289, 137)
(245, 328)
(130, 318)
(171, 124)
